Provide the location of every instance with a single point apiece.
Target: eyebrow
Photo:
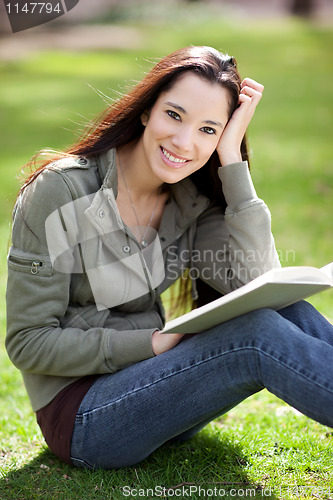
(182, 110)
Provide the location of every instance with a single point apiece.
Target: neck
(131, 165)
(140, 201)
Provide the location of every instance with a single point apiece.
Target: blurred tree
(302, 8)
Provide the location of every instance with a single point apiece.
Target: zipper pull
(34, 267)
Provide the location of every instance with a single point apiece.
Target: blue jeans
(125, 416)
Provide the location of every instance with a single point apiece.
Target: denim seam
(198, 364)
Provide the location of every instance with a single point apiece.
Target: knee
(264, 327)
(262, 318)
(306, 317)
(298, 310)
(249, 325)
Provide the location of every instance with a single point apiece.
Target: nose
(183, 140)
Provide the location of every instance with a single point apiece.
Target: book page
(275, 289)
(300, 274)
(328, 269)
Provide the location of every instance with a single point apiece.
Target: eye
(173, 114)
(208, 130)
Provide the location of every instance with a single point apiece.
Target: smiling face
(184, 127)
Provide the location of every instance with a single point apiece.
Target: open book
(275, 289)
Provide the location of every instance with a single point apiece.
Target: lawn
(262, 448)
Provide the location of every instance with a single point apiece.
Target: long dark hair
(121, 123)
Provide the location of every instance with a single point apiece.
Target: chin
(174, 177)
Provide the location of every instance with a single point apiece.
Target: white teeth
(172, 158)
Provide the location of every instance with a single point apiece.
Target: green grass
(262, 443)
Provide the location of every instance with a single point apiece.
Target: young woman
(157, 191)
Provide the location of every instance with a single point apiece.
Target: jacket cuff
(129, 346)
(237, 184)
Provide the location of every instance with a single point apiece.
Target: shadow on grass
(207, 461)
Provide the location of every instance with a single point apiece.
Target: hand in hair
(228, 147)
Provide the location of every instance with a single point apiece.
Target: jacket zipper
(34, 265)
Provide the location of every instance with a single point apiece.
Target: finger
(247, 107)
(243, 98)
(252, 93)
(249, 82)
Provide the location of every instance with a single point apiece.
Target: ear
(144, 118)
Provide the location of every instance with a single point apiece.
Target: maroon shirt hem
(57, 419)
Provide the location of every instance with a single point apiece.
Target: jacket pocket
(31, 263)
(83, 317)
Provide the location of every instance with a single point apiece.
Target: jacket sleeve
(240, 240)
(38, 297)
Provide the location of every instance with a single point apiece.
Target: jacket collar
(107, 166)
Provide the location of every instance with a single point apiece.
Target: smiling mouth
(172, 158)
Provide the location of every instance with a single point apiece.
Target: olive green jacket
(56, 331)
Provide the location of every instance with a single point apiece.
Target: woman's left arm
(240, 240)
(235, 247)
(229, 144)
